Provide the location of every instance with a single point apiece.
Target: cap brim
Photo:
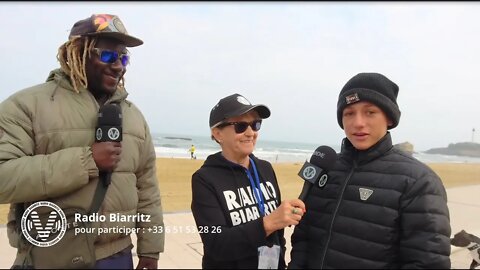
(127, 40)
(262, 111)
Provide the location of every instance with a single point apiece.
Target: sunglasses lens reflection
(256, 125)
(125, 60)
(241, 127)
(110, 57)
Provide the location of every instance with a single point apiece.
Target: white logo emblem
(39, 234)
(243, 100)
(113, 133)
(365, 193)
(309, 172)
(323, 180)
(99, 134)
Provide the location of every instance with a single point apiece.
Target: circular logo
(43, 232)
(113, 133)
(243, 100)
(99, 134)
(309, 172)
(119, 25)
(323, 180)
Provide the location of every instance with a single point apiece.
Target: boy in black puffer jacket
(381, 208)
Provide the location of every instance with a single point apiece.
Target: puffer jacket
(45, 154)
(380, 208)
(227, 213)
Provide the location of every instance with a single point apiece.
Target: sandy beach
(174, 176)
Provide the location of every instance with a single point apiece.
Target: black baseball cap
(104, 25)
(235, 105)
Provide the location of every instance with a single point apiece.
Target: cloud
(293, 57)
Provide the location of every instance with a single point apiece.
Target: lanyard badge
(267, 256)
(255, 184)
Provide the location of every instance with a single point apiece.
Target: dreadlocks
(73, 55)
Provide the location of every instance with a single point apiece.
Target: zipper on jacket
(335, 212)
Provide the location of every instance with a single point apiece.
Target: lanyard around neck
(257, 192)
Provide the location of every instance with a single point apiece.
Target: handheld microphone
(321, 161)
(109, 125)
(109, 129)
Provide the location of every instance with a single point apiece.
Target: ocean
(177, 146)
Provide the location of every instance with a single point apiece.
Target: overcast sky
(292, 57)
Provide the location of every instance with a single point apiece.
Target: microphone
(109, 125)
(321, 161)
(109, 129)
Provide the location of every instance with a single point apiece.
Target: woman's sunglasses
(241, 127)
(110, 57)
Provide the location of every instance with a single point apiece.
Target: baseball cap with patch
(104, 25)
(235, 105)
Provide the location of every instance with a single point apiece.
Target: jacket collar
(364, 156)
(62, 79)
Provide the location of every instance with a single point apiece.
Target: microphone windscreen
(110, 115)
(324, 157)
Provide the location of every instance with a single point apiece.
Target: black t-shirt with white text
(227, 212)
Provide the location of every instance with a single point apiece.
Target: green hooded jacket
(46, 133)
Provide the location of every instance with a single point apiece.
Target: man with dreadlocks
(48, 150)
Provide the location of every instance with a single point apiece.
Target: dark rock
(467, 149)
(406, 147)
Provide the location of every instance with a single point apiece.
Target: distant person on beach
(380, 208)
(236, 200)
(192, 152)
(48, 152)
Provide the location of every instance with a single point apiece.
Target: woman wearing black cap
(235, 196)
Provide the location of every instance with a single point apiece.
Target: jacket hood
(62, 79)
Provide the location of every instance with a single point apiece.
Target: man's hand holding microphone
(106, 155)
(108, 136)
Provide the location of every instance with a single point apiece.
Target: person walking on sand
(192, 152)
(236, 200)
(381, 208)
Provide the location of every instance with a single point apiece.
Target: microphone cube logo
(309, 172)
(113, 133)
(46, 231)
(98, 134)
(108, 134)
(322, 181)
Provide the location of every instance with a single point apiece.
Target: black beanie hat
(372, 87)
